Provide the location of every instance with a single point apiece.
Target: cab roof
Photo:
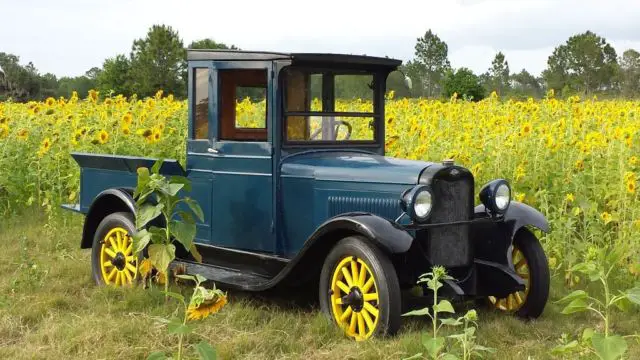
(305, 59)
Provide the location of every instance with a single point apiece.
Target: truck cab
(286, 157)
(243, 166)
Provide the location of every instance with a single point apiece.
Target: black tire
(122, 220)
(540, 280)
(384, 274)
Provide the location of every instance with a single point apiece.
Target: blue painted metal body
(263, 196)
(271, 198)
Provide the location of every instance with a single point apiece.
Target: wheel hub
(355, 299)
(119, 261)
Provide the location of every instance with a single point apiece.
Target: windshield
(323, 106)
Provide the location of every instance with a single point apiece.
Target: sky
(68, 37)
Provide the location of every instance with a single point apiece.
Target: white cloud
(67, 37)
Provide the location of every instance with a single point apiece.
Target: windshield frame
(328, 103)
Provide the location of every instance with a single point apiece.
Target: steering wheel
(338, 123)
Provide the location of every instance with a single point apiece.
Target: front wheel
(359, 289)
(530, 263)
(113, 261)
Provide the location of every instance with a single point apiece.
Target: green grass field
(51, 309)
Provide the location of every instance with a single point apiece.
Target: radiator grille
(384, 207)
(450, 245)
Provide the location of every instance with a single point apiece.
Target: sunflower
(126, 130)
(631, 187)
(145, 133)
(93, 95)
(145, 268)
(127, 118)
(44, 147)
(161, 278)
(50, 101)
(206, 308)
(23, 134)
(606, 217)
(157, 135)
(4, 131)
(103, 137)
(526, 129)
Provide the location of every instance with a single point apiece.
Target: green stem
(181, 336)
(606, 306)
(465, 356)
(435, 312)
(168, 237)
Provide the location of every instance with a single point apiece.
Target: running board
(229, 277)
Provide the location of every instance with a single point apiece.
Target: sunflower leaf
(140, 240)
(206, 351)
(147, 213)
(161, 255)
(177, 327)
(181, 180)
(193, 204)
(155, 169)
(183, 232)
(420, 312)
(175, 295)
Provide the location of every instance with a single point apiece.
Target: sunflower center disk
(355, 299)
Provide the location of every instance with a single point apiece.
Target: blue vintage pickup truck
(307, 195)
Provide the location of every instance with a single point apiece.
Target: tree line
(585, 64)
(157, 61)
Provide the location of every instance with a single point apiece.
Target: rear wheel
(530, 263)
(359, 289)
(113, 261)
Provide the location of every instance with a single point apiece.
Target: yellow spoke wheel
(117, 262)
(529, 263)
(359, 289)
(114, 262)
(354, 298)
(514, 301)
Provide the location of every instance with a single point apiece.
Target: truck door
(239, 157)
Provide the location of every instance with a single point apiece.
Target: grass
(51, 309)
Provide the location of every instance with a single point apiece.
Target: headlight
(496, 196)
(503, 196)
(417, 202)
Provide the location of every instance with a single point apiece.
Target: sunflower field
(576, 159)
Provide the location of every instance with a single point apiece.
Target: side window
(243, 105)
(201, 103)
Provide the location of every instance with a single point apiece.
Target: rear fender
(493, 240)
(107, 202)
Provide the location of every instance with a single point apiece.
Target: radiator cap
(447, 162)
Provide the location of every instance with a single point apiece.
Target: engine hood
(354, 167)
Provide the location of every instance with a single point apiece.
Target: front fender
(492, 240)
(105, 203)
(519, 215)
(307, 263)
(385, 233)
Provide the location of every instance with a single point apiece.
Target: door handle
(213, 151)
